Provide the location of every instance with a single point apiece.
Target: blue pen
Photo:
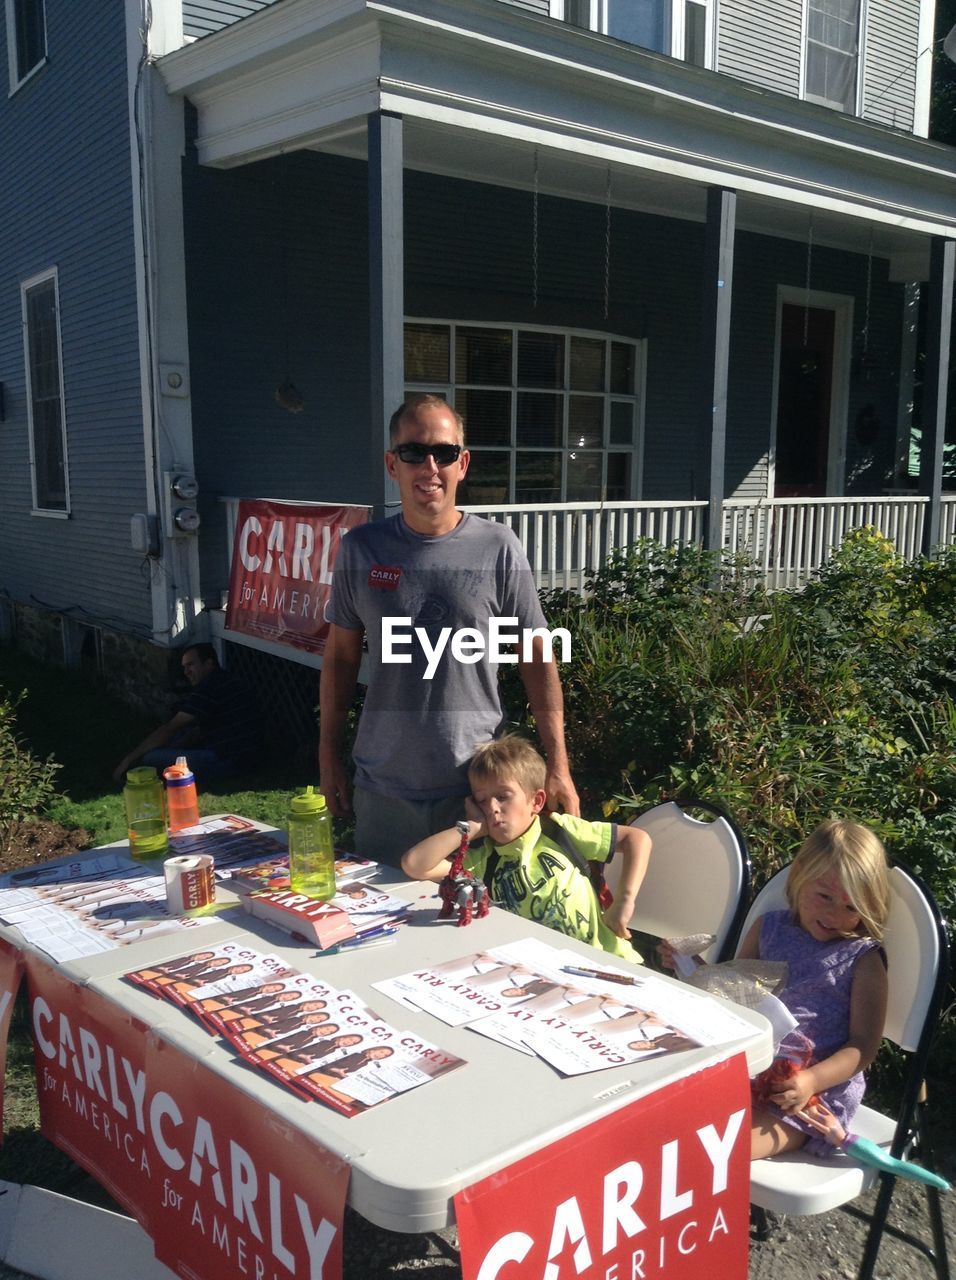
(383, 933)
(607, 975)
(359, 944)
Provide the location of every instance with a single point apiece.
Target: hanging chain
(534, 236)
(607, 246)
(806, 299)
(866, 315)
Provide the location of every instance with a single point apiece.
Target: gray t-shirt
(416, 735)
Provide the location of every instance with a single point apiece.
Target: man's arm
(546, 699)
(160, 737)
(340, 668)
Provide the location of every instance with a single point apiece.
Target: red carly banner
(660, 1188)
(281, 574)
(223, 1185)
(11, 971)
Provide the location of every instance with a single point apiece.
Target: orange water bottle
(182, 803)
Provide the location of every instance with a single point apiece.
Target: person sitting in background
(216, 726)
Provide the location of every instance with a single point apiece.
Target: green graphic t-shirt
(534, 878)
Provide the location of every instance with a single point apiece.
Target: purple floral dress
(817, 993)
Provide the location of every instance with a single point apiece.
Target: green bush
(26, 783)
(836, 700)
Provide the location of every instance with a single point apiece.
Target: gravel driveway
(826, 1247)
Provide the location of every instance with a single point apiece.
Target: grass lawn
(67, 716)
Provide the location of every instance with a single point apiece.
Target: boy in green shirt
(531, 873)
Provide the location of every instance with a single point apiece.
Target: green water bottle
(145, 813)
(311, 853)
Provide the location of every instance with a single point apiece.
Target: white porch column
(939, 327)
(386, 294)
(718, 279)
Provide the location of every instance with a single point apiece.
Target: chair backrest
(916, 952)
(698, 876)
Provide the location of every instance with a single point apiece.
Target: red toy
(782, 1069)
(461, 891)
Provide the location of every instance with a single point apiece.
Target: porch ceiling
(484, 86)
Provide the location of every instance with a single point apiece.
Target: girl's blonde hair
(855, 855)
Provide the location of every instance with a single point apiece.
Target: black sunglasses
(415, 454)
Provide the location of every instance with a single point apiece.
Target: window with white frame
(832, 53)
(551, 415)
(682, 28)
(26, 38)
(45, 400)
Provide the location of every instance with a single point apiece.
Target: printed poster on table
(658, 1188)
(282, 560)
(225, 1186)
(11, 971)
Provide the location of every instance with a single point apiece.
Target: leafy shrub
(836, 700)
(26, 783)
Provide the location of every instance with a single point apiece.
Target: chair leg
(934, 1204)
(874, 1236)
(760, 1225)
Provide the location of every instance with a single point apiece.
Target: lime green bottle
(145, 813)
(311, 852)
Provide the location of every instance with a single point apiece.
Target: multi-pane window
(45, 411)
(832, 56)
(26, 38)
(681, 28)
(550, 416)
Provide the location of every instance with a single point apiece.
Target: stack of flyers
(256, 1008)
(369, 909)
(80, 917)
(522, 996)
(321, 1042)
(348, 1058)
(231, 841)
(475, 986)
(601, 1032)
(215, 971)
(104, 864)
(274, 872)
(289, 1019)
(350, 868)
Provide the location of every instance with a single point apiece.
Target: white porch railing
(789, 538)
(786, 538)
(567, 542)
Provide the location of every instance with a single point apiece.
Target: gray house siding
(761, 47)
(889, 81)
(277, 279)
(66, 202)
(536, 6)
(201, 17)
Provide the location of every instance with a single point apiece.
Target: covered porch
(744, 300)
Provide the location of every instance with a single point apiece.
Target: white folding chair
(698, 876)
(918, 970)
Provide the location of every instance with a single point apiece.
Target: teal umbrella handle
(867, 1152)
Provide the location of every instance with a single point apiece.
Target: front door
(804, 401)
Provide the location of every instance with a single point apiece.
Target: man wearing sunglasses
(437, 568)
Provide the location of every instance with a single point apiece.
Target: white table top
(410, 1155)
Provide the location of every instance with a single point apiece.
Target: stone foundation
(136, 671)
